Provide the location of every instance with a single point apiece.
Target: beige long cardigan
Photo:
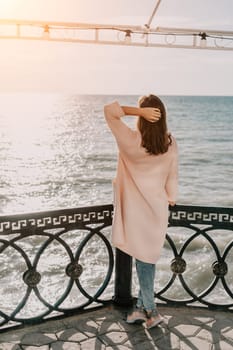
(143, 186)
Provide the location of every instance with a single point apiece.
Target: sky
(42, 66)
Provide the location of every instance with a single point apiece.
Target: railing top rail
(201, 215)
(180, 214)
(56, 219)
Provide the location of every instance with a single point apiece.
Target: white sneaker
(138, 315)
(153, 321)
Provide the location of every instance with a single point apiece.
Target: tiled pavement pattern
(184, 328)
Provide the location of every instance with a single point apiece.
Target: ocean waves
(70, 153)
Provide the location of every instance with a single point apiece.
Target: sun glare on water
(24, 122)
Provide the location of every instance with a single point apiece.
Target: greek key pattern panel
(201, 215)
(56, 219)
(103, 214)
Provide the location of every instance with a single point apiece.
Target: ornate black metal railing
(61, 262)
(211, 227)
(49, 258)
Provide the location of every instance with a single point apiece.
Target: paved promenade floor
(106, 328)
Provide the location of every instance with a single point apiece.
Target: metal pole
(123, 279)
(153, 14)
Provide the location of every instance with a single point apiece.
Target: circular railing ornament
(74, 270)
(178, 265)
(31, 277)
(170, 39)
(220, 268)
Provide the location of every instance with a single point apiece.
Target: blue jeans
(146, 276)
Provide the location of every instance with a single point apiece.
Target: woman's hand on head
(151, 114)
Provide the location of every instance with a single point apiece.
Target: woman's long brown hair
(155, 138)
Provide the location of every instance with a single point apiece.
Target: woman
(145, 184)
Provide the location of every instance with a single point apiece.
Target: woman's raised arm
(148, 113)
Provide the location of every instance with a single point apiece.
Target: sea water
(57, 152)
